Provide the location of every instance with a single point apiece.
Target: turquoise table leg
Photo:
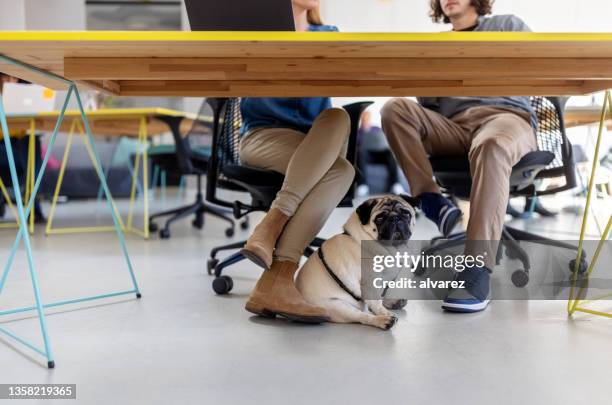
(23, 230)
(24, 212)
(107, 192)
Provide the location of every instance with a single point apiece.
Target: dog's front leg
(343, 312)
(377, 307)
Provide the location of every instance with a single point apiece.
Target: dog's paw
(386, 322)
(395, 305)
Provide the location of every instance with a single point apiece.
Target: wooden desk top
(585, 116)
(229, 64)
(110, 122)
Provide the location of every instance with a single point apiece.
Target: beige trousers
(317, 176)
(494, 138)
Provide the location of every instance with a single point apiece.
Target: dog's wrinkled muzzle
(395, 228)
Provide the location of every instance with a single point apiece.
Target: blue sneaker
(475, 294)
(441, 211)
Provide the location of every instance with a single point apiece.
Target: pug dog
(331, 278)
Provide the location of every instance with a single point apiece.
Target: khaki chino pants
(494, 138)
(317, 175)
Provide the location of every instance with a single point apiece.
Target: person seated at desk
(495, 132)
(306, 140)
(374, 149)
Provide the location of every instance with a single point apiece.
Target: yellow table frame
(575, 302)
(142, 140)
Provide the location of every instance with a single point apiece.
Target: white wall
(42, 15)
(12, 15)
(412, 15)
(61, 15)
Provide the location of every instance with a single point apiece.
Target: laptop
(27, 98)
(240, 15)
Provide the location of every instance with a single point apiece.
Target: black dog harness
(333, 275)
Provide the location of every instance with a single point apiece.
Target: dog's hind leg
(343, 312)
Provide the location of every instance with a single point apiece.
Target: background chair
(191, 156)
(553, 159)
(226, 172)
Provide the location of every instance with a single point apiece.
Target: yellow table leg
(142, 143)
(60, 179)
(9, 203)
(93, 161)
(76, 125)
(574, 301)
(31, 170)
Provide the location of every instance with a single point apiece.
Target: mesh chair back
(551, 135)
(227, 124)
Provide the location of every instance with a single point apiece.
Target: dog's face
(388, 218)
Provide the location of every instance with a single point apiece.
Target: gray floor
(182, 344)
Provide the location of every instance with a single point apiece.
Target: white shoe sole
(467, 308)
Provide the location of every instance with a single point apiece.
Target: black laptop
(240, 15)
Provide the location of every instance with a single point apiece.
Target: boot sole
(266, 313)
(253, 257)
(259, 311)
(311, 320)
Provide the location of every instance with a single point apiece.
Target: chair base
(197, 209)
(510, 242)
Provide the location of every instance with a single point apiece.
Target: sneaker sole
(465, 308)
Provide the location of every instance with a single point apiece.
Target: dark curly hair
(483, 7)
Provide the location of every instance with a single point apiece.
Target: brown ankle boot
(276, 294)
(260, 246)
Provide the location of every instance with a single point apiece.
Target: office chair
(553, 159)
(226, 172)
(191, 158)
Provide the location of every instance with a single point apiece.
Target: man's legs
(501, 139)
(500, 143)
(413, 133)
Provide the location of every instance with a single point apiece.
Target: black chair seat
(462, 164)
(253, 176)
(453, 172)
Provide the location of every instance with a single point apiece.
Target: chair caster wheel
(244, 225)
(520, 278)
(210, 266)
(229, 232)
(51, 364)
(198, 224)
(223, 285)
(584, 265)
(164, 234)
(153, 227)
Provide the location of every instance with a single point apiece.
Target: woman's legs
(314, 184)
(304, 159)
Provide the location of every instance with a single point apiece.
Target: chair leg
(231, 246)
(530, 237)
(219, 213)
(514, 249)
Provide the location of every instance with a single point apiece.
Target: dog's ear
(414, 201)
(364, 211)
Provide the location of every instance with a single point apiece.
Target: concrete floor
(182, 344)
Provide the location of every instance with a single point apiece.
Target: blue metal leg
(26, 236)
(43, 167)
(23, 213)
(109, 198)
